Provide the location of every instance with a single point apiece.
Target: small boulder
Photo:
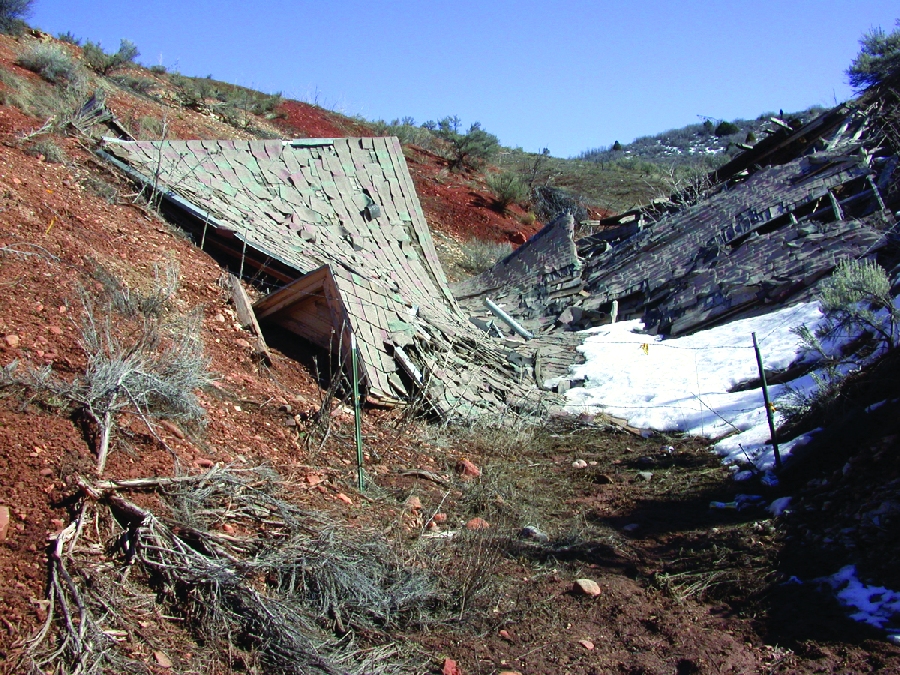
(587, 587)
(204, 463)
(12, 341)
(533, 533)
(414, 504)
(478, 524)
(440, 518)
(344, 498)
(587, 644)
(467, 469)
(579, 464)
(645, 476)
(4, 522)
(450, 668)
(162, 660)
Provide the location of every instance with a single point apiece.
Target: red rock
(467, 469)
(586, 587)
(55, 330)
(12, 341)
(204, 463)
(242, 343)
(47, 471)
(172, 429)
(517, 238)
(313, 479)
(450, 668)
(414, 504)
(344, 498)
(478, 524)
(587, 644)
(228, 528)
(4, 522)
(440, 518)
(510, 672)
(504, 634)
(163, 660)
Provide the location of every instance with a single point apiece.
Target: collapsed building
(334, 228)
(776, 220)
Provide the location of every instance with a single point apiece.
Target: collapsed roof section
(338, 221)
(765, 235)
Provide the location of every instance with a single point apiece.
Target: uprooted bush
(287, 593)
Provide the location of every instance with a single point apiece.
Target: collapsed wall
(763, 236)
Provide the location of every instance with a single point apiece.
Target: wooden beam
(247, 318)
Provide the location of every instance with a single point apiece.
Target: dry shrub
(288, 597)
(479, 255)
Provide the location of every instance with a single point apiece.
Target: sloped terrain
(682, 588)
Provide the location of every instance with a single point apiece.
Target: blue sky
(567, 75)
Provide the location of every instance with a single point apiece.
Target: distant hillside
(710, 143)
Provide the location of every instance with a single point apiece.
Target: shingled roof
(338, 221)
(762, 237)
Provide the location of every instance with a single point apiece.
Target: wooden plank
(248, 318)
(292, 293)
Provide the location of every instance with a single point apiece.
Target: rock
(47, 471)
(313, 479)
(172, 429)
(240, 342)
(4, 522)
(450, 668)
(228, 528)
(163, 660)
(286, 408)
(440, 518)
(204, 463)
(55, 330)
(344, 498)
(12, 341)
(478, 524)
(414, 504)
(467, 469)
(587, 644)
(510, 672)
(586, 587)
(579, 464)
(646, 476)
(531, 532)
(504, 634)
(220, 318)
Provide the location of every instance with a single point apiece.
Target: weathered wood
(247, 318)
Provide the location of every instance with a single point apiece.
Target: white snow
(875, 605)
(682, 384)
